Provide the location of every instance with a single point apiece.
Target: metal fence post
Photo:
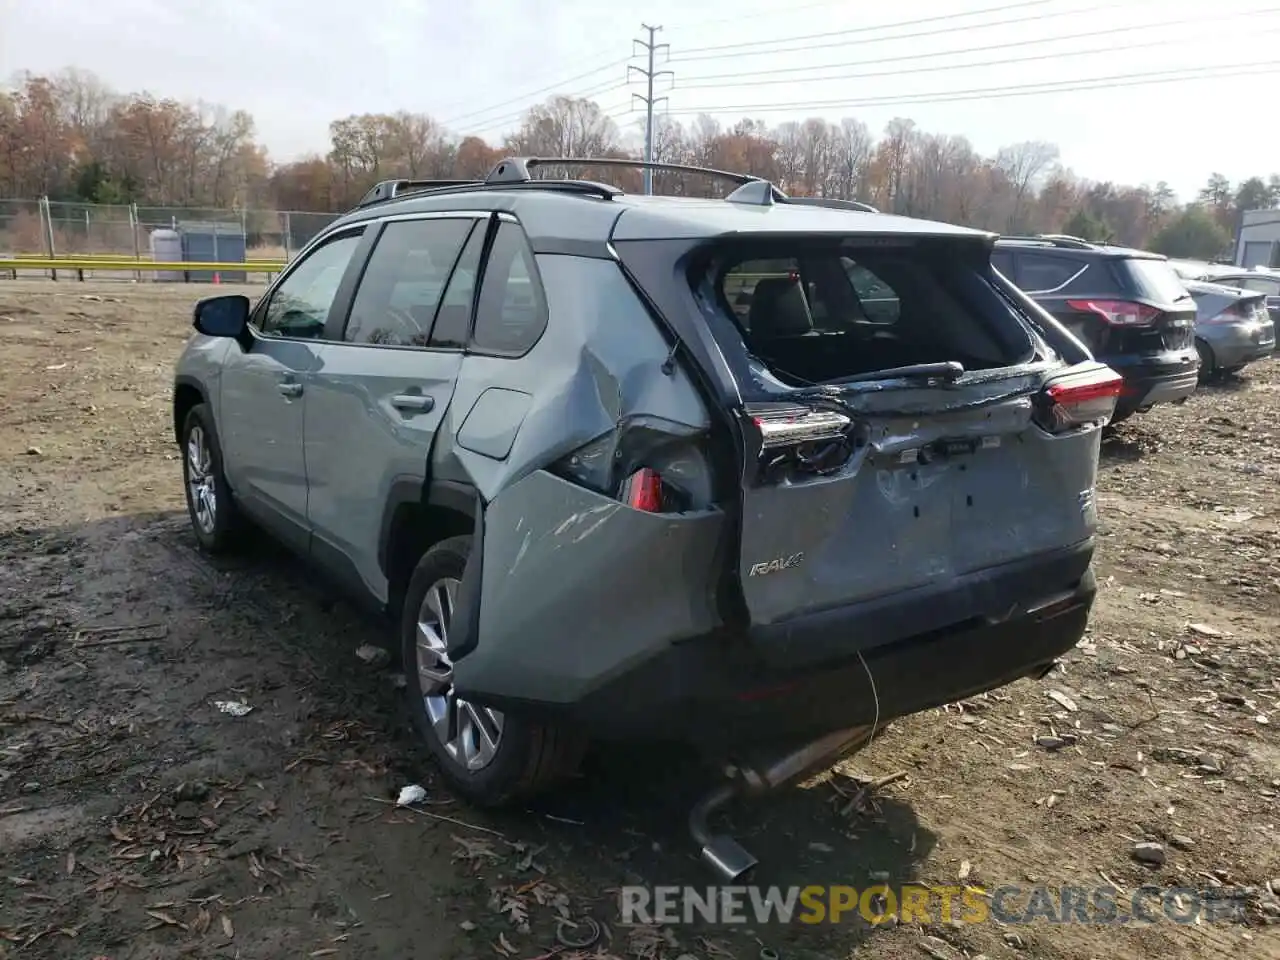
(133, 232)
(46, 216)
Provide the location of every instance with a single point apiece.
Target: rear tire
(215, 518)
(1208, 366)
(490, 758)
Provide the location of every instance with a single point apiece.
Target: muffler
(721, 852)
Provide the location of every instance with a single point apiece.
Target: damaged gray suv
(757, 474)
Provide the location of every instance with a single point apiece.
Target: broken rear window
(835, 311)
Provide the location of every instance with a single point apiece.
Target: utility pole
(648, 99)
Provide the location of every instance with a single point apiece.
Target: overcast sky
(297, 64)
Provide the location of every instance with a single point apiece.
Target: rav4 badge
(773, 566)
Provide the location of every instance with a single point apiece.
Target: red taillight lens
(1118, 313)
(1235, 313)
(1080, 399)
(643, 491)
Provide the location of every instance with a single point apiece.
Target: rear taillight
(1079, 399)
(1118, 313)
(1232, 314)
(643, 491)
(645, 468)
(787, 426)
(796, 440)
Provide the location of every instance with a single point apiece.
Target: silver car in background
(1233, 327)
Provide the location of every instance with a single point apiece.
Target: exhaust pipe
(721, 852)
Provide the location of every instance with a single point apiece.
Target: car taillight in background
(1079, 399)
(1232, 313)
(1118, 313)
(1240, 311)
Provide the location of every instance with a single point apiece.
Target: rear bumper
(1146, 384)
(813, 675)
(1235, 346)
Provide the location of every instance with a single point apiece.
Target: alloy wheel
(470, 734)
(200, 483)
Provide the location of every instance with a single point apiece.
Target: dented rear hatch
(904, 421)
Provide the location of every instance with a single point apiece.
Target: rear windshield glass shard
(824, 312)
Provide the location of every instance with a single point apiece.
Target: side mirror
(226, 316)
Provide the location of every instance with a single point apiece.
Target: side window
(1040, 272)
(300, 305)
(453, 320)
(879, 301)
(512, 309)
(1002, 260)
(404, 282)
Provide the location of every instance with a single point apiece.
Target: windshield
(1158, 280)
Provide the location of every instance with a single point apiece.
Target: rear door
(383, 387)
(940, 470)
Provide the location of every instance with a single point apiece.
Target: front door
(263, 395)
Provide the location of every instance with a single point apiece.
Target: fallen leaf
(228, 930)
(1060, 698)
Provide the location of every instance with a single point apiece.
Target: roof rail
(516, 169)
(396, 189)
(1053, 239)
(390, 189)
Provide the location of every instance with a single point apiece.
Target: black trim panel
(591, 249)
(403, 490)
(466, 623)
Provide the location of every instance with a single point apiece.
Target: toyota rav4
(757, 473)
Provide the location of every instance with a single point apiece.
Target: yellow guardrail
(129, 265)
(145, 258)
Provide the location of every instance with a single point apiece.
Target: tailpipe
(720, 852)
(728, 858)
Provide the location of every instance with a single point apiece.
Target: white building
(1259, 242)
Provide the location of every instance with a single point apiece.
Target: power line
(772, 8)
(471, 115)
(997, 93)
(534, 93)
(649, 74)
(998, 62)
(983, 48)
(732, 50)
(512, 117)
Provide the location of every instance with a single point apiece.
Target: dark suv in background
(1129, 307)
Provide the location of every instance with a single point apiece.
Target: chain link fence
(42, 227)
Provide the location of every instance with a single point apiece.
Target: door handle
(290, 389)
(413, 402)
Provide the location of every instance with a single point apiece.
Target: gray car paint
(261, 430)
(552, 553)
(1233, 343)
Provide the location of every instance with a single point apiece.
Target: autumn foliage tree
(70, 137)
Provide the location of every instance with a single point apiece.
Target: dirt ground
(137, 820)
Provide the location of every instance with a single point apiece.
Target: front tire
(489, 757)
(215, 518)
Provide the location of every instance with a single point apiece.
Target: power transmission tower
(648, 99)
